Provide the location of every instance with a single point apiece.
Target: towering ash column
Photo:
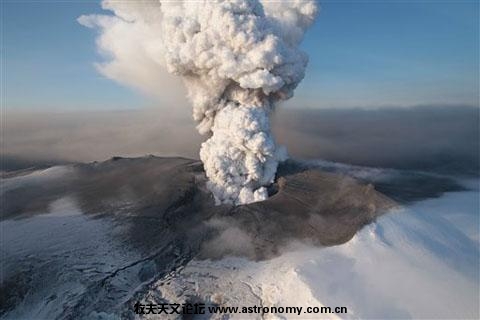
(237, 58)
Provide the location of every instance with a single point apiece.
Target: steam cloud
(237, 59)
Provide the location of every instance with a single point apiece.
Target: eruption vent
(237, 59)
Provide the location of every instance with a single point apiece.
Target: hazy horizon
(438, 138)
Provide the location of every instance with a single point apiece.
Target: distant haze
(432, 138)
(427, 138)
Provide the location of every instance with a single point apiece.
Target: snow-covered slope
(419, 261)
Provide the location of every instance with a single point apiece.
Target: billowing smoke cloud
(237, 59)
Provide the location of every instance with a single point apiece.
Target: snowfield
(415, 262)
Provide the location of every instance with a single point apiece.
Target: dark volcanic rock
(137, 220)
(165, 198)
(311, 206)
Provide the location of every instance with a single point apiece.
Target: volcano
(90, 240)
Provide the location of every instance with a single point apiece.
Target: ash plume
(237, 59)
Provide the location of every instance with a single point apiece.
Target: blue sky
(362, 54)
